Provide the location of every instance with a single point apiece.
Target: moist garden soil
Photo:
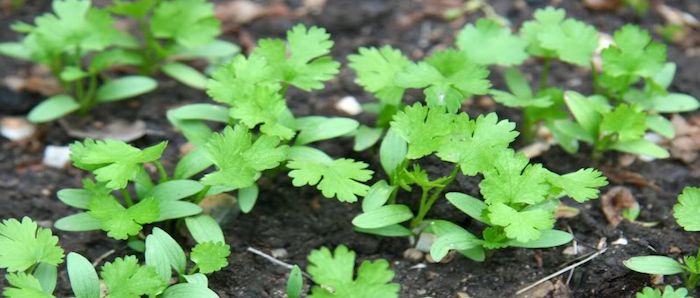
(299, 220)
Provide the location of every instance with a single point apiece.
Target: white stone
(279, 253)
(349, 105)
(56, 156)
(16, 128)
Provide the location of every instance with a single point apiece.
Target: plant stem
(161, 172)
(544, 75)
(692, 281)
(193, 269)
(427, 202)
(127, 197)
(202, 194)
(594, 73)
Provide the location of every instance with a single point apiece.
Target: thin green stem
(193, 269)
(594, 73)
(161, 172)
(692, 281)
(427, 202)
(127, 197)
(544, 75)
(203, 193)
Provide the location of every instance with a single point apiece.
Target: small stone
(674, 250)
(421, 292)
(56, 156)
(430, 275)
(349, 105)
(621, 241)
(413, 255)
(462, 295)
(16, 128)
(279, 253)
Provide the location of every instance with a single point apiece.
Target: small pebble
(56, 156)
(621, 241)
(16, 128)
(349, 105)
(462, 295)
(413, 255)
(279, 253)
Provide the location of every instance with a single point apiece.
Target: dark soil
(299, 219)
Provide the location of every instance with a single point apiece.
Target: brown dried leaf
(565, 211)
(615, 201)
(240, 12)
(686, 144)
(222, 207)
(116, 129)
(677, 17)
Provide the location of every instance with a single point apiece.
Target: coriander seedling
(668, 292)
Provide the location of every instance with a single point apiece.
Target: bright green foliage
(120, 222)
(190, 23)
(113, 162)
(23, 244)
(303, 61)
(339, 178)
(124, 277)
(489, 43)
(668, 292)
(335, 276)
(238, 79)
(521, 94)
(266, 107)
(687, 210)
(475, 146)
(581, 185)
(524, 225)
(423, 128)
(634, 54)
(240, 159)
(377, 70)
(513, 180)
(210, 256)
(24, 285)
(449, 78)
(550, 35)
(625, 122)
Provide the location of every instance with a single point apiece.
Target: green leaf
(23, 244)
(317, 128)
(185, 74)
(192, 163)
(79, 222)
(53, 108)
(377, 195)
(83, 277)
(641, 147)
(247, 198)
(573, 41)
(210, 256)
(549, 238)
(190, 23)
(120, 222)
(200, 111)
(78, 198)
(383, 216)
(396, 230)
(217, 49)
(304, 60)
(443, 228)
(341, 178)
(633, 54)
(188, 290)
(448, 77)
(204, 229)
(654, 265)
(660, 125)
(523, 226)
(422, 128)
(489, 43)
(174, 190)
(238, 79)
(624, 121)
(266, 107)
(544, 19)
(584, 112)
(581, 185)
(674, 103)
(176, 209)
(125, 87)
(113, 162)
(468, 204)
(124, 277)
(47, 275)
(392, 152)
(687, 209)
(240, 159)
(474, 146)
(456, 241)
(295, 283)
(335, 277)
(513, 180)
(376, 72)
(366, 137)
(15, 50)
(24, 285)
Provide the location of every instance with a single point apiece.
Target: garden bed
(299, 220)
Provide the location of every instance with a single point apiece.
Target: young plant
(668, 292)
(262, 134)
(174, 30)
(519, 198)
(334, 275)
(686, 213)
(30, 255)
(76, 42)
